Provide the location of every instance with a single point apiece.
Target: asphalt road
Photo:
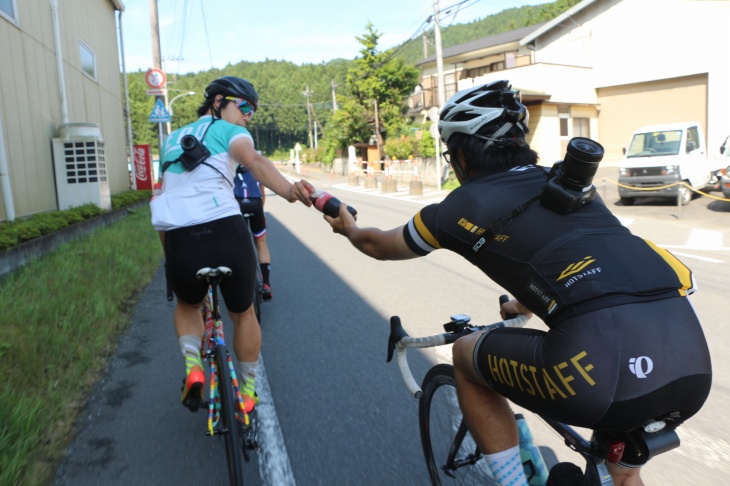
(344, 415)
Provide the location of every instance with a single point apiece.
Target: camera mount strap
(181, 159)
(498, 226)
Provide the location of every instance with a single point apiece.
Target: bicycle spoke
(451, 454)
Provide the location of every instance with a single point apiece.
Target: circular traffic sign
(155, 78)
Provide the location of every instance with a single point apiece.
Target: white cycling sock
(190, 347)
(247, 379)
(506, 466)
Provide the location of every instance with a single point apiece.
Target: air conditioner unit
(80, 167)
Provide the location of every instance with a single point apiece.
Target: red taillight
(615, 452)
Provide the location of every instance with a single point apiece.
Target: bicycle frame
(213, 337)
(596, 451)
(214, 349)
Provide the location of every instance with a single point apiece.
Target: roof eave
(555, 22)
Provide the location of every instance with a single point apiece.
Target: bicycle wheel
(257, 299)
(452, 456)
(231, 431)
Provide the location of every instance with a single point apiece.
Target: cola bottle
(328, 204)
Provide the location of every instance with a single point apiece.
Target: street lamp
(169, 108)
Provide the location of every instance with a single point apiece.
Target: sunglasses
(447, 156)
(242, 105)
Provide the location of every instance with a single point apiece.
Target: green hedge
(13, 233)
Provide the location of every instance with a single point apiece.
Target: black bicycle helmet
(233, 86)
(492, 109)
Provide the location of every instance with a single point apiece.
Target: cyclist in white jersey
(201, 225)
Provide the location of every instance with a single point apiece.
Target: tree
(379, 85)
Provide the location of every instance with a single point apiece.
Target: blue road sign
(159, 113)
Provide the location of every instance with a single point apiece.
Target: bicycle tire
(257, 299)
(451, 454)
(231, 431)
(259, 285)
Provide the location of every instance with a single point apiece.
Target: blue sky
(219, 32)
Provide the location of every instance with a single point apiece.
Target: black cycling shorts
(613, 369)
(255, 207)
(223, 242)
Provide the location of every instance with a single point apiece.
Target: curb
(18, 256)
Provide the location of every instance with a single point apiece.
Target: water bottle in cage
(532, 460)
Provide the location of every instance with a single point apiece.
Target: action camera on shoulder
(194, 152)
(570, 182)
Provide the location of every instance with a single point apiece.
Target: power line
(207, 39)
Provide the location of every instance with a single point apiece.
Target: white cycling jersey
(206, 193)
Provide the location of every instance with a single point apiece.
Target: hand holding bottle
(328, 204)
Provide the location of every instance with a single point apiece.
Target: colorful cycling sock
(190, 347)
(265, 267)
(506, 466)
(248, 377)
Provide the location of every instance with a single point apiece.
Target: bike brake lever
(396, 334)
(503, 299)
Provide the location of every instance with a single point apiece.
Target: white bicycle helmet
(491, 108)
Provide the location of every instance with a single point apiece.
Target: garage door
(625, 108)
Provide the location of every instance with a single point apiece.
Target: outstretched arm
(375, 243)
(242, 150)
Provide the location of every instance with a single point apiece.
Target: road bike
(452, 456)
(258, 287)
(227, 417)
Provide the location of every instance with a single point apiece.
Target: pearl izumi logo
(641, 366)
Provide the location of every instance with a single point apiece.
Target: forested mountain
(283, 118)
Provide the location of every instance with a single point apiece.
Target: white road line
(704, 239)
(401, 194)
(696, 257)
(274, 466)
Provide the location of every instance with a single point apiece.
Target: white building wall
(634, 41)
(565, 84)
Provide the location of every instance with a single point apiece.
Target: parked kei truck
(661, 155)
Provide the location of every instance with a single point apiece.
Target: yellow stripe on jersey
(424, 232)
(684, 273)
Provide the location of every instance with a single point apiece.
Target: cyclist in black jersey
(624, 345)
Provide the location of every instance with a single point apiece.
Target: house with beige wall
(606, 67)
(59, 71)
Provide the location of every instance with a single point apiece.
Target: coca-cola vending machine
(143, 168)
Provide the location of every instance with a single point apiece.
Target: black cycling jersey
(556, 265)
(624, 345)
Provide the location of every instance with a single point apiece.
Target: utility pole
(441, 86)
(439, 56)
(334, 98)
(308, 93)
(378, 136)
(157, 63)
(425, 45)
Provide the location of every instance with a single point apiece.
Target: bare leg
(246, 335)
(487, 413)
(624, 476)
(263, 249)
(188, 319)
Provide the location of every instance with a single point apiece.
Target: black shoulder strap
(480, 241)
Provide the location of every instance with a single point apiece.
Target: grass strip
(61, 317)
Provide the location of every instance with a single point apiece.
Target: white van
(661, 155)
